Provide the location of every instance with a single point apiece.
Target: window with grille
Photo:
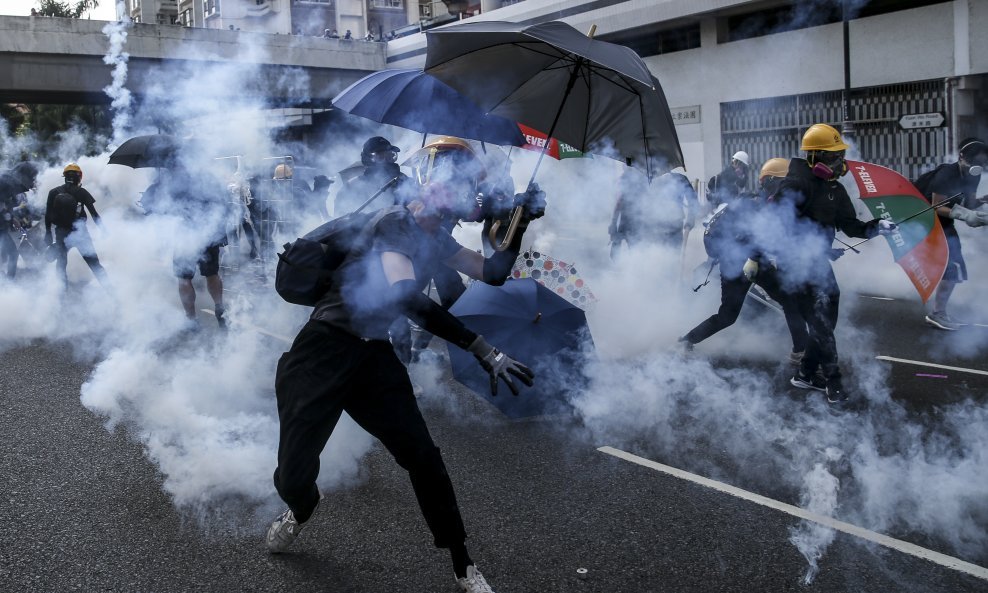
(387, 3)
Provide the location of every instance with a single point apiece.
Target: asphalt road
(83, 509)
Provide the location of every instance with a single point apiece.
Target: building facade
(754, 74)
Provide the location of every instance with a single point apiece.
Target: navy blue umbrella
(417, 101)
(536, 327)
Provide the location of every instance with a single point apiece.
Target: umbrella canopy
(417, 101)
(533, 325)
(556, 275)
(154, 150)
(593, 95)
(918, 245)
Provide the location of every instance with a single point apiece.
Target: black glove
(835, 253)
(500, 366)
(532, 202)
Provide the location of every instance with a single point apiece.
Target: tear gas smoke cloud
(120, 96)
(204, 409)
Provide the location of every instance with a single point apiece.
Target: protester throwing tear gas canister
(22, 178)
(730, 240)
(950, 179)
(342, 361)
(452, 165)
(813, 206)
(66, 210)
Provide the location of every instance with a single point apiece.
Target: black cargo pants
(327, 372)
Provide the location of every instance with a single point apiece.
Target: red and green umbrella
(918, 244)
(535, 141)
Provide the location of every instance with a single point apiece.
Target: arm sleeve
(498, 266)
(429, 315)
(847, 220)
(48, 221)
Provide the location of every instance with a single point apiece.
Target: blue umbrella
(536, 327)
(417, 101)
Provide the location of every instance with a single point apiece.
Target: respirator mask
(828, 165)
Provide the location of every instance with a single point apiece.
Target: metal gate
(766, 128)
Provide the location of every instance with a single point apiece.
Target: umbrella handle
(923, 211)
(510, 235)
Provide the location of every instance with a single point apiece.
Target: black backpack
(923, 182)
(64, 209)
(306, 267)
(712, 234)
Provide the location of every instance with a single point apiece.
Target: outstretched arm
(405, 294)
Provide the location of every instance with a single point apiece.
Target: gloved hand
(750, 270)
(886, 227)
(48, 240)
(499, 365)
(835, 253)
(972, 218)
(532, 201)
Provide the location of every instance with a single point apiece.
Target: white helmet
(743, 157)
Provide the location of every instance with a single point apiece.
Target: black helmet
(378, 146)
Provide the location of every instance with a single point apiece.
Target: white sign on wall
(686, 115)
(921, 120)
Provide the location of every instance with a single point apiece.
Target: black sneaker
(803, 382)
(220, 316)
(835, 393)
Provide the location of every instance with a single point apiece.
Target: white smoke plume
(120, 96)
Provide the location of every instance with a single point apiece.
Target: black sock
(461, 560)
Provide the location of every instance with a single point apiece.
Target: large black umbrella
(154, 150)
(596, 96)
(533, 325)
(417, 101)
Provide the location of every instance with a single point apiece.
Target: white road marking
(932, 365)
(877, 298)
(878, 538)
(255, 328)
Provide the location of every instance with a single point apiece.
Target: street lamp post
(847, 128)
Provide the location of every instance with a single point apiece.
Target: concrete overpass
(60, 60)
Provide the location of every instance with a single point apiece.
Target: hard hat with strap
(822, 137)
(776, 167)
(72, 168)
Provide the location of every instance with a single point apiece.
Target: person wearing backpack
(342, 361)
(729, 239)
(949, 179)
(22, 178)
(66, 210)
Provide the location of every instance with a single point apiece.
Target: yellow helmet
(282, 171)
(445, 156)
(72, 168)
(777, 167)
(822, 137)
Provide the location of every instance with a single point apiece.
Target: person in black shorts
(961, 177)
(202, 205)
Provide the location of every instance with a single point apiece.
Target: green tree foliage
(65, 9)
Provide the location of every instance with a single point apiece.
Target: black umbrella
(596, 96)
(533, 325)
(154, 150)
(417, 101)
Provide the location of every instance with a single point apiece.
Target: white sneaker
(474, 582)
(285, 530)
